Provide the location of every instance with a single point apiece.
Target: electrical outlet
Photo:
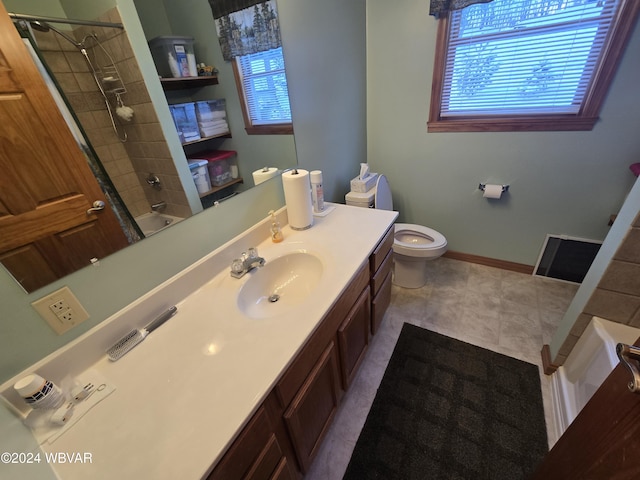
(68, 316)
(59, 307)
(61, 310)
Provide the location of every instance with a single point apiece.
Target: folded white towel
(213, 124)
(211, 114)
(210, 132)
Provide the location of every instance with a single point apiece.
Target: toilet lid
(383, 200)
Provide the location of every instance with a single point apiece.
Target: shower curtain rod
(70, 21)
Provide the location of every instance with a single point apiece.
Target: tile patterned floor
(509, 313)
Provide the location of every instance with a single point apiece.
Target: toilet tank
(358, 199)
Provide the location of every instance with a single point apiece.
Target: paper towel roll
(492, 191)
(261, 175)
(297, 196)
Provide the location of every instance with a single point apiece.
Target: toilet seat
(411, 242)
(426, 242)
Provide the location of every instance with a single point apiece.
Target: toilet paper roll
(263, 175)
(492, 191)
(297, 196)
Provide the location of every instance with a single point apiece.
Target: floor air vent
(566, 258)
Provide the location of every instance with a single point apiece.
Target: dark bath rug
(446, 409)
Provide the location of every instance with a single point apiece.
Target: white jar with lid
(38, 392)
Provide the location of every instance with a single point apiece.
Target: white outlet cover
(56, 321)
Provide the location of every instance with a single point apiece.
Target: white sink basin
(282, 284)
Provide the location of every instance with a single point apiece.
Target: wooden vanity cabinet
(380, 264)
(284, 435)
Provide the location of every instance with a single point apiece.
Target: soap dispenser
(276, 231)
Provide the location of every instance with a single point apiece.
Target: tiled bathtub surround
(509, 313)
(127, 164)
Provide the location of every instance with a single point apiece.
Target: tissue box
(363, 186)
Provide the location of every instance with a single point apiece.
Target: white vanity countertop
(183, 394)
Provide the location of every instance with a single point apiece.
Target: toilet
(413, 246)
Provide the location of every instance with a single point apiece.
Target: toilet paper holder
(505, 188)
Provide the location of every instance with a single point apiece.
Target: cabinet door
(255, 455)
(292, 380)
(353, 338)
(270, 464)
(313, 408)
(284, 471)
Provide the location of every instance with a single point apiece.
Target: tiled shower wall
(145, 151)
(617, 296)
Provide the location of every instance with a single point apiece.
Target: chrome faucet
(159, 207)
(154, 181)
(247, 262)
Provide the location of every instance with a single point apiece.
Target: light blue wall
(561, 182)
(48, 8)
(81, 9)
(325, 53)
(153, 17)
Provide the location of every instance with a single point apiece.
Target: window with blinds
(264, 85)
(534, 60)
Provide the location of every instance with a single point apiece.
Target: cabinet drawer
(267, 462)
(380, 253)
(380, 304)
(381, 275)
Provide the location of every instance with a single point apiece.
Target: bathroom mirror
(132, 167)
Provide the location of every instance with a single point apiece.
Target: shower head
(45, 27)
